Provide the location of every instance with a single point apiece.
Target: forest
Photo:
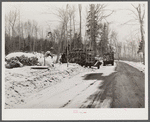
(29, 36)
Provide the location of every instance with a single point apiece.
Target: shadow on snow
(103, 91)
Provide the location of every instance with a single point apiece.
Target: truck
(108, 58)
(83, 57)
(90, 58)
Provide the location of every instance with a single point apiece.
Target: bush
(19, 61)
(28, 61)
(13, 63)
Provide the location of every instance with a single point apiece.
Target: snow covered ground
(137, 65)
(22, 82)
(71, 85)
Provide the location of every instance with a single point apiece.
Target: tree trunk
(74, 24)
(70, 34)
(19, 30)
(67, 36)
(80, 18)
(142, 33)
(144, 52)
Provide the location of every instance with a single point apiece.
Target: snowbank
(48, 60)
(138, 65)
(21, 83)
(19, 54)
(19, 59)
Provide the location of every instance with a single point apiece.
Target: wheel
(113, 63)
(104, 64)
(98, 66)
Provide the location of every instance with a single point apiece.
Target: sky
(42, 12)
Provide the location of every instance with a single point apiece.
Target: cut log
(39, 67)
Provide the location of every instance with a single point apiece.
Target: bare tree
(139, 16)
(35, 26)
(12, 17)
(22, 35)
(113, 39)
(71, 12)
(80, 9)
(58, 33)
(67, 31)
(74, 19)
(19, 30)
(62, 14)
(95, 25)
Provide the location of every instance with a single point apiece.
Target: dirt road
(129, 87)
(119, 86)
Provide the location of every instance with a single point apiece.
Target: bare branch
(133, 12)
(132, 20)
(143, 15)
(134, 6)
(108, 14)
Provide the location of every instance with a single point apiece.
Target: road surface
(119, 86)
(129, 87)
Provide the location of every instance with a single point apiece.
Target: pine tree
(92, 25)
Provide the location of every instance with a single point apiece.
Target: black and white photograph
(74, 60)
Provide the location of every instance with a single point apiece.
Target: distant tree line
(29, 36)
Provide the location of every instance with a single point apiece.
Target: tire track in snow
(78, 94)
